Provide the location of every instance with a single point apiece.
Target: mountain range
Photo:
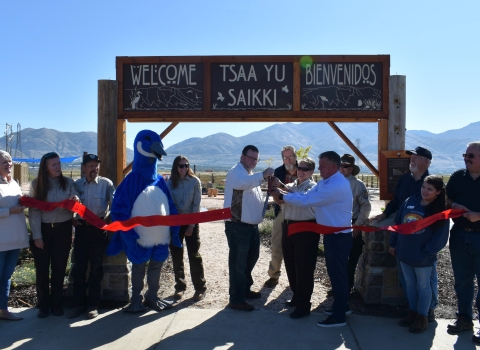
(221, 151)
(36, 142)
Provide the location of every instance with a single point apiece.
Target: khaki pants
(276, 239)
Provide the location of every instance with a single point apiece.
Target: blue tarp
(37, 160)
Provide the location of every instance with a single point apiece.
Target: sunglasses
(347, 166)
(301, 168)
(468, 155)
(289, 157)
(181, 166)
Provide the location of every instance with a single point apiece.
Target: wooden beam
(354, 149)
(121, 148)
(165, 132)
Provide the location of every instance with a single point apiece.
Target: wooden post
(107, 126)
(111, 151)
(397, 112)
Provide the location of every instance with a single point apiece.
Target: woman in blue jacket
(417, 252)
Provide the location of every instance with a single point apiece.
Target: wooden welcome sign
(253, 88)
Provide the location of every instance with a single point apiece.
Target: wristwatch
(280, 196)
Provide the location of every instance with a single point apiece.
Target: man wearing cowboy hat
(360, 212)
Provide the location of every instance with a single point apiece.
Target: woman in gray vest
(186, 190)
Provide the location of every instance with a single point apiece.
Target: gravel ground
(214, 250)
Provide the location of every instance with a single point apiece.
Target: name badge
(410, 207)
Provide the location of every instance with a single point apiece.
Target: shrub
(24, 275)
(265, 227)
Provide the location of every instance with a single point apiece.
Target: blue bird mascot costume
(144, 193)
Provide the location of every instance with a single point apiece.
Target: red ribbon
(404, 229)
(147, 221)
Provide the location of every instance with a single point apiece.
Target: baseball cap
(421, 152)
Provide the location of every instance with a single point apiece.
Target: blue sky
(54, 52)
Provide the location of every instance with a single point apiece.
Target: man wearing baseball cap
(96, 193)
(408, 185)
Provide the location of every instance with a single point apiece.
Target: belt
(56, 224)
(288, 222)
(84, 222)
(239, 223)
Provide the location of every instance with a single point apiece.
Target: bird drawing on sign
(189, 92)
(220, 97)
(135, 100)
(285, 89)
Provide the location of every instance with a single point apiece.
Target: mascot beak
(157, 149)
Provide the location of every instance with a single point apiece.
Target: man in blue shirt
(332, 200)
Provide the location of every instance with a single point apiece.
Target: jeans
(244, 249)
(194, 258)
(89, 246)
(8, 261)
(465, 253)
(300, 254)
(337, 248)
(433, 283)
(419, 292)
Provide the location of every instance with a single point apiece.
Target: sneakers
(330, 312)
(8, 316)
(330, 321)
(241, 306)
(460, 324)
(271, 283)
(419, 325)
(199, 295)
(431, 315)
(92, 312)
(178, 294)
(299, 313)
(253, 295)
(76, 311)
(408, 320)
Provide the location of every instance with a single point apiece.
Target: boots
(408, 320)
(419, 325)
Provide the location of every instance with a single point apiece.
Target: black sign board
(335, 86)
(252, 86)
(163, 87)
(396, 167)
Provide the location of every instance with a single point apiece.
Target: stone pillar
(377, 277)
(116, 283)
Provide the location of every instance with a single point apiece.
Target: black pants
(89, 246)
(300, 256)
(57, 242)
(194, 258)
(357, 249)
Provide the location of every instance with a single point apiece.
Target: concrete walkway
(219, 329)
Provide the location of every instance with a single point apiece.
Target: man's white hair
(288, 147)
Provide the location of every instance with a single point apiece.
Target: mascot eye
(147, 138)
